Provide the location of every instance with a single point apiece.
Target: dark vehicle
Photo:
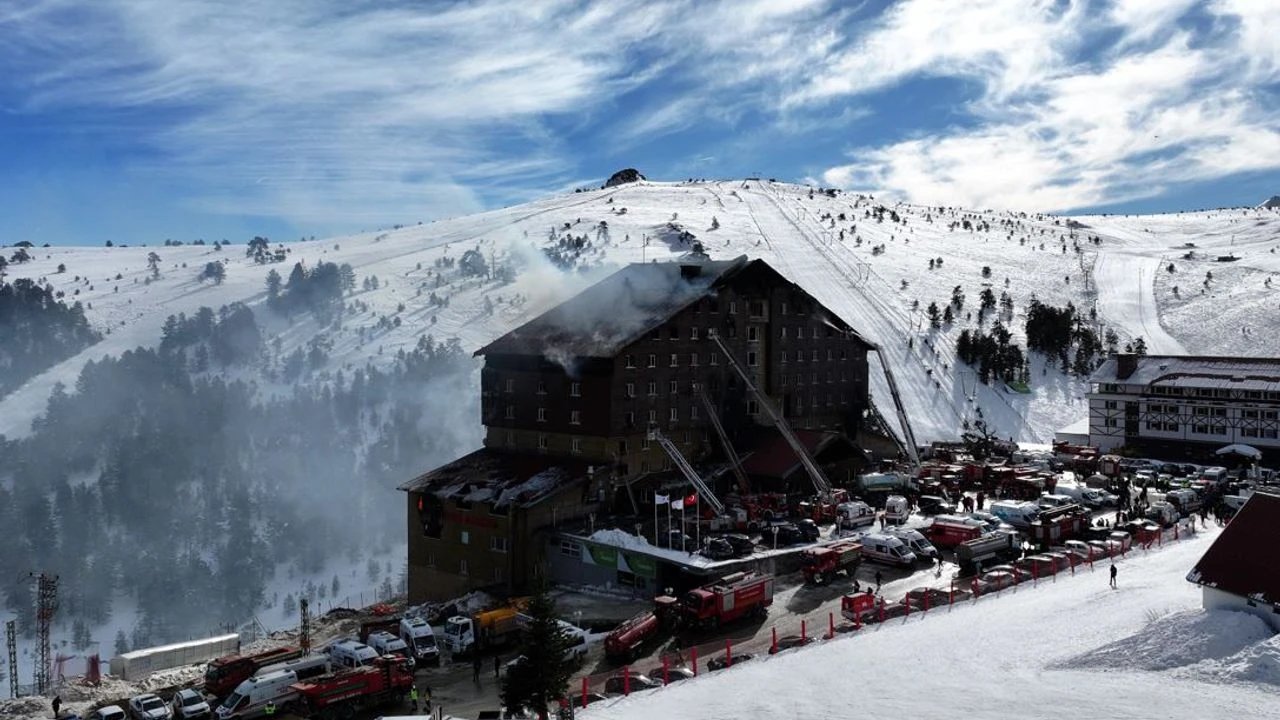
(680, 541)
(592, 697)
(620, 685)
(719, 662)
(809, 529)
(784, 533)
(935, 505)
(1172, 469)
(742, 545)
(675, 674)
(719, 549)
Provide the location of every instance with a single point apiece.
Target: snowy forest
(183, 489)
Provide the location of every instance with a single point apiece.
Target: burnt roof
(1242, 560)
(613, 313)
(500, 479)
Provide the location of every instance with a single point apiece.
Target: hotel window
(673, 387)
(462, 568)
(753, 334)
(542, 387)
(733, 331)
(675, 360)
(813, 333)
(511, 438)
(569, 548)
(511, 412)
(757, 308)
(753, 407)
(630, 419)
(644, 443)
(511, 385)
(673, 333)
(715, 359)
(464, 537)
(498, 544)
(693, 333)
(799, 356)
(542, 442)
(431, 560)
(784, 312)
(733, 307)
(653, 360)
(1110, 405)
(631, 361)
(784, 380)
(575, 446)
(653, 388)
(674, 415)
(693, 359)
(830, 354)
(575, 417)
(542, 414)
(497, 574)
(622, 447)
(693, 412)
(575, 389)
(631, 390)
(752, 360)
(653, 418)
(815, 356)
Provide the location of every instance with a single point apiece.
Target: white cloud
(1068, 132)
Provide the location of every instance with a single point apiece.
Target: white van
(250, 698)
(1053, 500)
(855, 514)
(1216, 474)
(896, 510)
(915, 540)
(886, 548)
(350, 654)
(418, 635)
(385, 643)
(304, 668)
(1019, 514)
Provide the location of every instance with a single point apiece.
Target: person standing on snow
(1113, 573)
(879, 578)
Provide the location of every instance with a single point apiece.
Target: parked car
(108, 712)
(592, 697)
(720, 662)
(680, 541)
(189, 705)
(675, 674)
(934, 505)
(1090, 552)
(148, 706)
(785, 533)
(742, 545)
(619, 684)
(718, 549)
(808, 529)
(993, 580)
(1019, 574)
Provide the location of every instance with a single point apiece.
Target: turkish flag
(691, 500)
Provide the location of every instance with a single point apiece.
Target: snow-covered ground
(1074, 648)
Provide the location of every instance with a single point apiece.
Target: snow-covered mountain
(1144, 275)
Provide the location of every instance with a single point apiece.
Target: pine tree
(122, 642)
(948, 317)
(273, 284)
(934, 314)
(542, 677)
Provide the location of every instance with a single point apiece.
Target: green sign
(641, 565)
(602, 555)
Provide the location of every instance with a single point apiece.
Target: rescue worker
(1113, 574)
(270, 709)
(426, 699)
(497, 666)
(57, 703)
(413, 697)
(879, 579)
(475, 668)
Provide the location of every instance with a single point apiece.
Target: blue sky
(141, 120)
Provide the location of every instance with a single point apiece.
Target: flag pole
(668, 524)
(697, 522)
(655, 519)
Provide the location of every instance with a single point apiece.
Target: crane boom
(744, 487)
(908, 436)
(820, 482)
(677, 457)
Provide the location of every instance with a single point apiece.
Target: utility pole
(11, 642)
(46, 606)
(304, 634)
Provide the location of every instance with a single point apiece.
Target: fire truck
(222, 675)
(342, 694)
(821, 563)
(623, 643)
(1055, 525)
(732, 597)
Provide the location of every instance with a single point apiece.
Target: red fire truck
(622, 644)
(342, 694)
(821, 563)
(732, 597)
(222, 675)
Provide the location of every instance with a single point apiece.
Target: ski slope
(1072, 648)
(1122, 278)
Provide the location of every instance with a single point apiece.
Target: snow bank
(1176, 641)
(1257, 663)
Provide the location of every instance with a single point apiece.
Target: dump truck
(822, 563)
(464, 634)
(732, 597)
(344, 693)
(222, 675)
(972, 554)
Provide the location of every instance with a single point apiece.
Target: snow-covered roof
(1242, 560)
(1236, 373)
(501, 479)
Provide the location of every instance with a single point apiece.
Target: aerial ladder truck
(826, 494)
(908, 443)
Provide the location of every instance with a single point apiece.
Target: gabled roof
(774, 458)
(1242, 560)
(501, 479)
(606, 317)
(1234, 373)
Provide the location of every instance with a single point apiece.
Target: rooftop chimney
(1126, 365)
